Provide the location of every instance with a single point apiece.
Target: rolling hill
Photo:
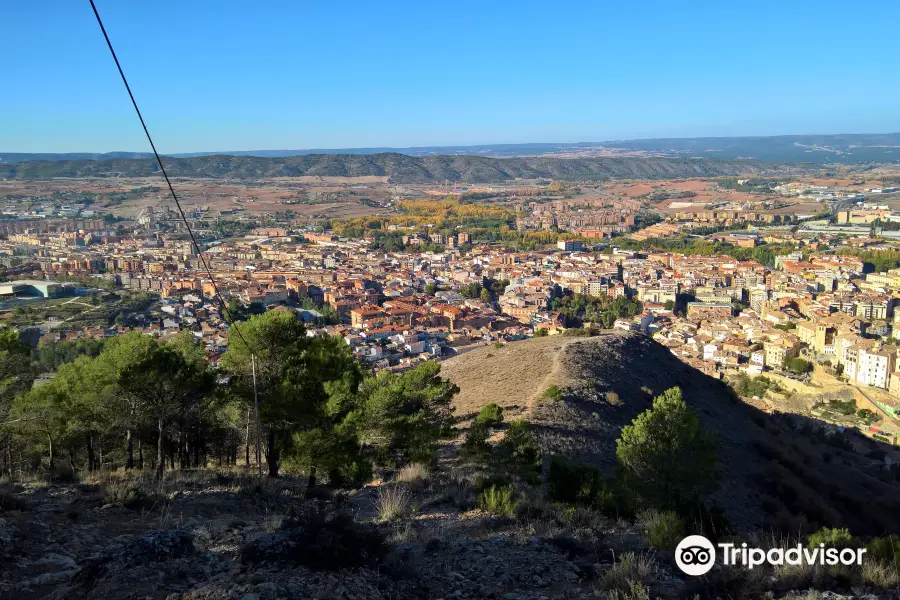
(851, 148)
(399, 168)
(777, 472)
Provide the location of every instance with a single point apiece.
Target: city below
(794, 278)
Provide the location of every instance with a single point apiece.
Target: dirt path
(511, 376)
(515, 376)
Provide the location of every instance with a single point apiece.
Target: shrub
(459, 492)
(832, 538)
(350, 473)
(756, 386)
(10, 502)
(476, 446)
(884, 550)
(663, 529)
(577, 332)
(585, 517)
(798, 365)
(519, 447)
(573, 483)
(845, 407)
(707, 520)
(497, 500)
(636, 591)
(817, 576)
(490, 415)
(553, 393)
(63, 473)
(126, 493)
(665, 455)
(735, 583)
(319, 541)
(494, 479)
(536, 508)
(393, 502)
(613, 399)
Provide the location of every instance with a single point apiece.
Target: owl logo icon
(695, 555)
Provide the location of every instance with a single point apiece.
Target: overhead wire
(225, 312)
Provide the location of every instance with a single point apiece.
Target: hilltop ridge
(399, 168)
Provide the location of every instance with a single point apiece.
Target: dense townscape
(446, 362)
(734, 276)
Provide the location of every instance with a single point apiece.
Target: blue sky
(228, 75)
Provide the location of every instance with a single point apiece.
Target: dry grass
(811, 595)
(879, 574)
(800, 576)
(509, 377)
(738, 583)
(272, 522)
(414, 475)
(583, 517)
(663, 529)
(534, 506)
(128, 494)
(459, 492)
(635, 592)
(393, 502)
(406, 534)
(628, 571)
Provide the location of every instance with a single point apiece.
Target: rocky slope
(210, 535)
(777, 471)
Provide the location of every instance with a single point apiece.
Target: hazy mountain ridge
(815, 148)
(399, 168)
(14, 157)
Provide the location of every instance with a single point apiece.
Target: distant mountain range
(399, 168)
(816, 149)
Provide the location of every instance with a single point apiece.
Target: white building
(874, 368)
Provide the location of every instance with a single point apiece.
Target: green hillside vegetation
(579, 308)
(319, 411)
(764, 254)
(399, 168)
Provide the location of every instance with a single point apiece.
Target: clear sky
(215, 75)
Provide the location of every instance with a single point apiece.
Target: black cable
(225, 311)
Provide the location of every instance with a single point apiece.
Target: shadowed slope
(777, 471)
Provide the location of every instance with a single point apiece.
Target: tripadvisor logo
(696, 555)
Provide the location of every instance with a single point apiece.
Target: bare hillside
(512, 376)
(777, 471)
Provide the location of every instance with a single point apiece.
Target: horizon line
(349, 149)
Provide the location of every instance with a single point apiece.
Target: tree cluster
(319, 412)
(604, 310)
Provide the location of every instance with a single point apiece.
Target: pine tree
(665, 455)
